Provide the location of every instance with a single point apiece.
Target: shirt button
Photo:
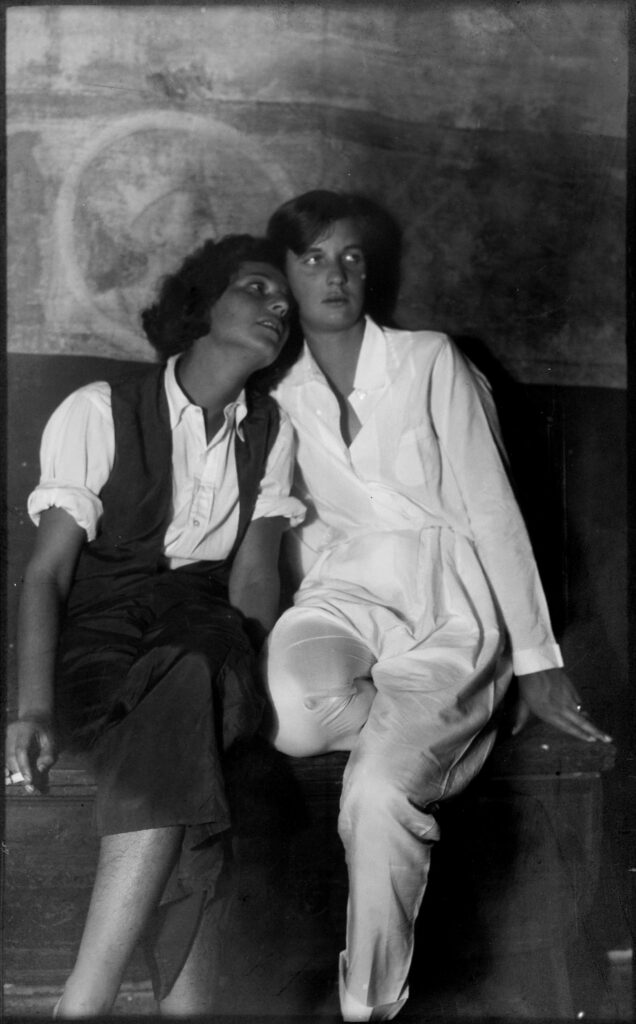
(362, 394)
(195, 522)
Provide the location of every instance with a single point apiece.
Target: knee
(293, 729)
(310, 721)
(189, 674)
(318, 706)
(284, 685)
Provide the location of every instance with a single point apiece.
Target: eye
(256, 286)
(311, 260)
(354, 257)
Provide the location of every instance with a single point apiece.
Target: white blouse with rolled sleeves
(78, 450)
(426, 459)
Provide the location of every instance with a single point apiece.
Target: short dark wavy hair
(181, 312)
(298, 223)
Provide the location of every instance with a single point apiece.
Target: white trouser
(415, 715)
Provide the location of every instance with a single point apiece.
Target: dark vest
(137, 496)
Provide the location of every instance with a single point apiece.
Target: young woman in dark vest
(153, 581)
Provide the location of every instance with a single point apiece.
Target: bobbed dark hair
(181, 312)
(299, 222)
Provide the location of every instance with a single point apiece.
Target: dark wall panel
(567, 447)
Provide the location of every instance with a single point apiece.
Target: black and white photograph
(319, 511)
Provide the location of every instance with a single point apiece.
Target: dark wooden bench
(504, 930)
(504, 925)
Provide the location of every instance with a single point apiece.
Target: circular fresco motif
(148, 191)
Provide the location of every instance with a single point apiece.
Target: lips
(274, 325)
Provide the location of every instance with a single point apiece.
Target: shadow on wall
(531, 432)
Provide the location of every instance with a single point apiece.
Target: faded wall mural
(493, 132)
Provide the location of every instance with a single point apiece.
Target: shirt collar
(178, 402)
(371, 368)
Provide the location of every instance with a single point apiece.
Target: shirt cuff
(84, 507)
(536, 659)
(288, 507)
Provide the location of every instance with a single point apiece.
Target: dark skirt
(156, 685)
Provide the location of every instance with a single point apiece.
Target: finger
(23, 763)
(18, 777)
(47, 755)
(585, 726)
(574, 724)
(567, 719)
(570, 725)
(521, 717)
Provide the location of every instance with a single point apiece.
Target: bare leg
(195, 990)
(132, 871)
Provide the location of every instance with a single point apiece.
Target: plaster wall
(493, 132)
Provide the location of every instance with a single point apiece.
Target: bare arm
(31, 743)
(254, 581)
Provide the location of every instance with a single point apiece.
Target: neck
(209, 379)
(337, 353)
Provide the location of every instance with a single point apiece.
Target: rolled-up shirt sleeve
(76, 457)
(274, 497)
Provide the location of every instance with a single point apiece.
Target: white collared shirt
(77, 455)
(427, 456)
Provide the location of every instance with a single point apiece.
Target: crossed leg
(319, 679)
(417, 734)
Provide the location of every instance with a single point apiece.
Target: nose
(279, 304)
(336, 271)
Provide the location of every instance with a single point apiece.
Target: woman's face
(327, 280)
(251, 316)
